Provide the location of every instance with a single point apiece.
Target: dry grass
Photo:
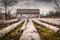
(14, 34)
(46, 34)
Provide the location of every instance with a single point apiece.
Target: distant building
(30, 13)
(2, 16)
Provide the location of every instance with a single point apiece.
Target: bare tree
(0, 10)
(7, 3)
(57, 5)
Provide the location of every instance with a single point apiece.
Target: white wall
(27, 15)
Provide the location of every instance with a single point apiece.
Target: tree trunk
(5, 9)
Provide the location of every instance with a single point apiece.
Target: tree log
(9, 28)
(53, 28)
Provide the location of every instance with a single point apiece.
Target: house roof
(28, 11)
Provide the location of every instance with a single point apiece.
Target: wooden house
(30, 13)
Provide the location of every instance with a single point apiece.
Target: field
(44, 32)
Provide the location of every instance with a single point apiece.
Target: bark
(24, 26)
(9, 28)
(8, 21)
(30, 33)
(5, 9)
(51, 21)
(53, 28)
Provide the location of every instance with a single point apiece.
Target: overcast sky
(44, 5)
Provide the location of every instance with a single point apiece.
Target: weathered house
(30, 13)
(2, 16)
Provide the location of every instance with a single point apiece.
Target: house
(2, 16)
(30, 13)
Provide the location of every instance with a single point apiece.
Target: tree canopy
(57, 5)
(9, 2)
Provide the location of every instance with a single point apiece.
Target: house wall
(27, 13)
(19, 16)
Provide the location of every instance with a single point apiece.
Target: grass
(2, 26)
(46, 34)
(14, 34)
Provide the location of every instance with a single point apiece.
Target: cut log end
(58, 32)
(22, 30)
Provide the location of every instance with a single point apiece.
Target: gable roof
(28, 11)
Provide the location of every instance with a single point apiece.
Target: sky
(43, 5)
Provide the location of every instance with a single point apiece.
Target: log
(24, 26)
(9, 28)
(53, 28)
(51, 21)
(8, 21)
(30, 33)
